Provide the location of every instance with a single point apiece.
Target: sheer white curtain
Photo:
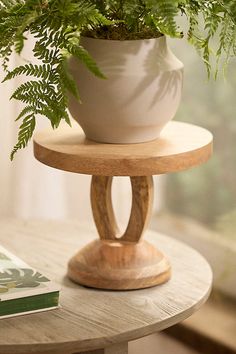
(29, 189)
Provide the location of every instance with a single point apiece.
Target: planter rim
(162, 37)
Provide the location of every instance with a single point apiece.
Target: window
(203, 199)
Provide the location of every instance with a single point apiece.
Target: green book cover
(23, 289)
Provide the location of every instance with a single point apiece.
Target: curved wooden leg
(116, 261)
(101, 201)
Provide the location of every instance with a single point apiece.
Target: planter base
(123, 134)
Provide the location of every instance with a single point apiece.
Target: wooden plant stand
(126, 261)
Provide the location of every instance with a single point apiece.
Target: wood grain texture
(91, 319)
(179, 147)
(103, 212)
(119, 266)
(101, 201)
(116, 261)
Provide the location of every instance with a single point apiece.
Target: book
(23, 289)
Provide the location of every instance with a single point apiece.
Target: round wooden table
(96, 321)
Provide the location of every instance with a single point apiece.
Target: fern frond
(39, 71)
(25, 134)
(165, 12)
(83, 55)
(25, 111)
(66, 79)
(19, 43)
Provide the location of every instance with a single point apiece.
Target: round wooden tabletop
(179, 147)
(90, 319)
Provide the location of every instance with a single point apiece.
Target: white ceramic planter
(140, 95)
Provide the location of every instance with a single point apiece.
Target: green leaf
(39, 71)
(25, 133)
(67, 80)
(82, 54)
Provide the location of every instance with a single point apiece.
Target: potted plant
(136, 83)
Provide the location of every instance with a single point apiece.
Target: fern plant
(57, 25)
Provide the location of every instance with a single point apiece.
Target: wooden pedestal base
(119, 266)
(120, 262)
